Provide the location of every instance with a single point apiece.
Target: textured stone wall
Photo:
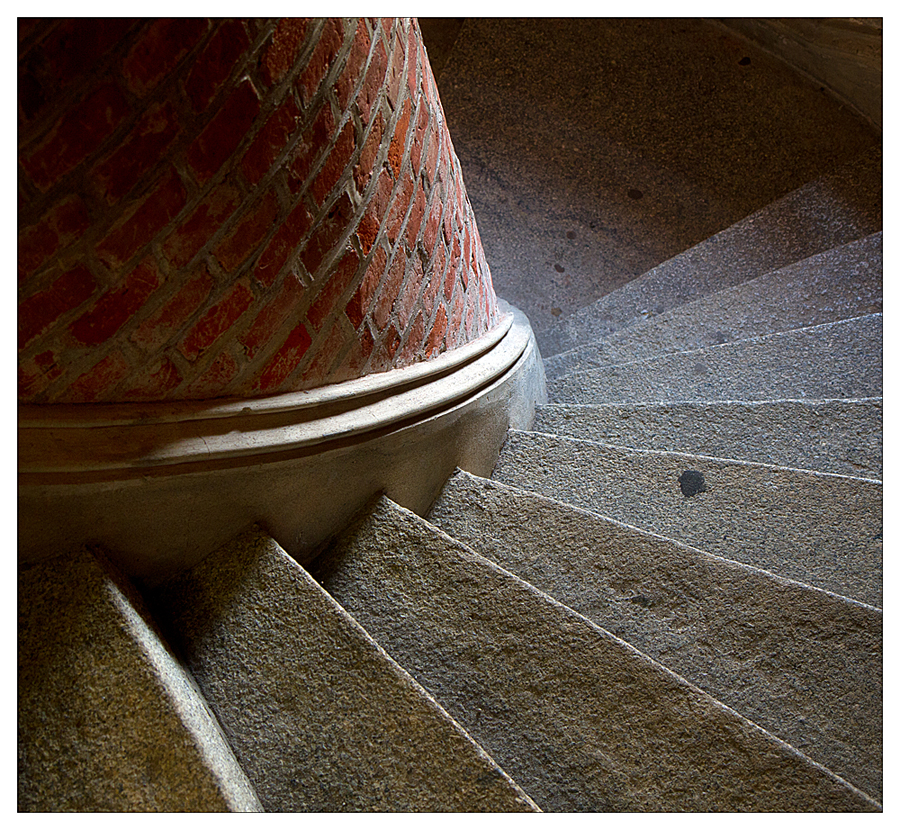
(235, 208)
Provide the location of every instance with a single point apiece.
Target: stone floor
(594, 149)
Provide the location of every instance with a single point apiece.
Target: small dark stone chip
(691, 483)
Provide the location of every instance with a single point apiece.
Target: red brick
(40, 310)
(415, 341)
(153, 383)
(415, 152)
(450, 279)
(272, 316)
(318, 372)
(415, 217)
(216, 321)
(331, 292)
(212, 383)
(212, 148)
(249, 233)
(330, 42)
(362, 300)
(429, 295)
(355, 361)
(215, 63)
(65, 223)
(327, 235)
(77, 134)
(365, 166)
(396, 75)
(35, 375)
(282, 51)
(284, 361)
(271, 140)
(160, 48)
(116, 306)
(432, 155)
(288, 239)
(436, 335)
(195, 231)
(305, 151)
(139, 152)
(370, 224)
(154, 332)
(432, 225)
(390, 343)
(99, 381)
(335, 164)
(398, 140)
(371, 86)
(346, 82)
(400, 207)
(408, 300)
(151, 216)
(390, 290)
(412, 51)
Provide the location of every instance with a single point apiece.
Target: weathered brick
(35, 375)
(65, 223)
(40, 310)
(314, 139)
(212, 148)
(153, 383)
(412, 54)
(370, 224)
(371, 86)
(338, 282)
(212, 382)
(215, 62)
(435, 344)
(287, 239)
(248, 234)
(168, 321)
(416, 215)
(327, 235)
(319, 372)
(429, 295)
(400, 207)
(139, 152)
(395, 79)
(216, 321)
(159, 49)
(398, 140)
(431, 226)
(77, 134)
(346, 82)
(151, 216)
(408, 299)
(365, 165)
(390, 290)
(415, 342)
(330, 42)
(415, 150)
(362, 300)
(360, 350)
(116, 306)
(194, 232)
(271, 140)
(284, 361)
(98, 382)
(272, 316)
(283, 49)
(335, 164)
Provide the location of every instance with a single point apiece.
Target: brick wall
(235, 208)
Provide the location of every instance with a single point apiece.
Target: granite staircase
(667, 597)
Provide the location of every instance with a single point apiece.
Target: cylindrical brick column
(235, 208)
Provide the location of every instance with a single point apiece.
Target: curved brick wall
(241, 208)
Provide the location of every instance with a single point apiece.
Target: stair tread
(828, 436)
(582, 720)
(841, 283)
(320, 717)
(830, 211)
(108, 720)
(818, 528)
(832, 360)
(800, 662)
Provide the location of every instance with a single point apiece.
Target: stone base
(161, 486)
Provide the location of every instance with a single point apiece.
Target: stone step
(582, 720)
(835, 285)
(833, 360)
(108, 720)
(320, 717)
(831, 436)
(821, 529)
(833, 210)
(802, 663)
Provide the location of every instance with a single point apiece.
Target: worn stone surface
(802, 663)
(836, 285)
(594, 149)
(831, 211)
(824, 530)
(834, 360)
(582, 720)
(320, 717)
(834, 436)
(107, 719)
